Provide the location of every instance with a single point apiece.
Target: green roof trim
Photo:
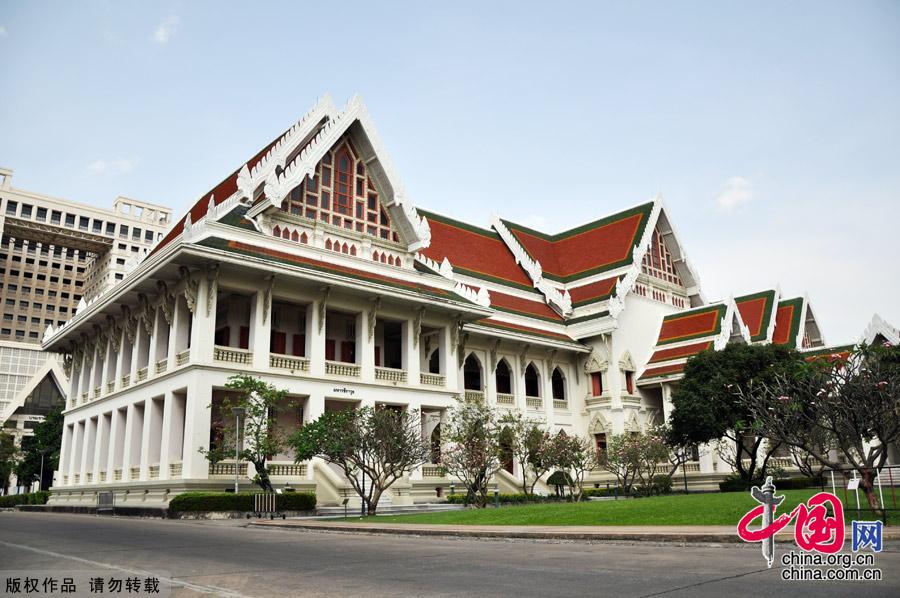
(767, 315)
(797, 302)
(579, 319)
(458, 224)
(720, 308)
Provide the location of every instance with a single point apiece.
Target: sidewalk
(705, 534)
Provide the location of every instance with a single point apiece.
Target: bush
(33, 498)
(612, 491)
(228, 501)
(662, 484)
(507, 499)
(734, 483)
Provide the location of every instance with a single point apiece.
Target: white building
(310, 268)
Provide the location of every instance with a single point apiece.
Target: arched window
(304, 239)
(343, 188)
(503, 378)
(345, 248)
(434, 362)
(276, 231)
(295, 236)
(328, 244)
(391, 260)
(383, 258)
(558, 382)
(285, 234)
(375, 256)
(472, 373)
(532, 381)
(353, 250)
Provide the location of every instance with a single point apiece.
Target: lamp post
(238, 413)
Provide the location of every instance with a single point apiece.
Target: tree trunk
(262, 477)
(868, 488)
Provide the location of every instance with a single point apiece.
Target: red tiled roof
(588, 249)
(830, 354)
(491, 322)
(787, 322)
(473, 251)
(593, 292)
(680, 352)
(662, 370)
(526, 307)
(220, 192)
(756, 313)
(693, 324)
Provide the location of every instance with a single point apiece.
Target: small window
(70, 220)
(123, 232)
(55, 217)
(98, 227)
(11, 207)
(26, 210)
(110, 228)
(83, 223)
(41, 214)
(148, 236)
(629, 382)
(596, 384)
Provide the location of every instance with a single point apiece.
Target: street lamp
(238, 413)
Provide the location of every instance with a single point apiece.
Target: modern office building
(309, 267)
(54, 254)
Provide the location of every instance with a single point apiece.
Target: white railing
(89, 477)
(505, 399)
(288, 362)
(226, 469)
(97, 393)
(339, 368)
(691, 467)
(183, 357)
(84, 397)
(390, 374)
(431, 379)
(534, 402)
(65, 480)
(101, 476)
(110, 386)
(175, 470)
(154, 472)
(288, 469)
(126, 380)
(135, 473)
(77, 478)
(141, 375)
(474, 395)
(161, 365)
(432, 471)
(560, 404)
(232, 355)
(117, 475)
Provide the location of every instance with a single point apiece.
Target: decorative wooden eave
(411, 227)
(480, 297)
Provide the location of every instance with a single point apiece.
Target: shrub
(611, 491)
(228, 501)
(662, 484)
(33, 498)
(734, 483)
(507, 499)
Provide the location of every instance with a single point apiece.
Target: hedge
(33, 498)
(229, 501)
(736, 484)
(459, 499)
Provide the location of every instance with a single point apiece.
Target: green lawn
(694, 509)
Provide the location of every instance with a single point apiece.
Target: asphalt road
(226, 558)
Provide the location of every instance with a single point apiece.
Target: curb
(674, 537)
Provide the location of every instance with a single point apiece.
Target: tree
(261, 403)
(46, 441)
(531, 445)
(374, 447)
(8, 457)
(576, 456)
(622, 459)
(472, 452)
(705, 407)
(853, 403)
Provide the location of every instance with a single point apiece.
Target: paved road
(226, 558)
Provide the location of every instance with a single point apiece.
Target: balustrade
(183, 357)
(390, 374)
(232, 355)
(287, 362)
(506, 399)
(534, 402)
(431, 379)
(339, 368)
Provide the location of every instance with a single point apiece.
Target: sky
(771, 130)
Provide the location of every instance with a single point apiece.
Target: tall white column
(315, 334)
(197, 421)
(146, 439)
(411, 352)
(165, 433)
(65, 454)
(98, 448)
(203, 330)
(448, 358)
(547, 392)
(260, 327)
(365, 346)
(128, 452)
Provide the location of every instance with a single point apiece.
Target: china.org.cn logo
(815, 530)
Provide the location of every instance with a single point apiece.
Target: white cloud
(166, 30)
(2, 31)
(112, 167)
(735, 192)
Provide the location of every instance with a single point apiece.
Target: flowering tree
(848, 404)
(576, 456)
(472, 452)
(531, 445)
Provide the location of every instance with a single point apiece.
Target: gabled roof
(532, 308)
(839, 353)
(757, 312)
(684, 334)
(52, 368)
(594, 247)
(473, 251)
(594, 292)
(880, 330)
(788, 319)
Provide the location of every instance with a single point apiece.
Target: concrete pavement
(230, 558)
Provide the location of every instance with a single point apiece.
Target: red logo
(814, 528)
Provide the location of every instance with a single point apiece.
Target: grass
(694, 509)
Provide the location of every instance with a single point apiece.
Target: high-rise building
(54, 254)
